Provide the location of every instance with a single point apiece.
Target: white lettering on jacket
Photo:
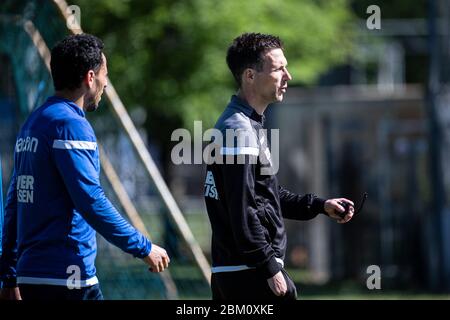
(25, 189)
(28, 144)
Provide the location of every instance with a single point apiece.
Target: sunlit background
(367, 111)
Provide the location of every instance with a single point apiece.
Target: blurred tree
(169, 56)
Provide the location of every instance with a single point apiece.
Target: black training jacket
(245, 204)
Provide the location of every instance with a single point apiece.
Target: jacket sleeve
(239, 189)
(76, 158)
(9, 237)
(298, 207)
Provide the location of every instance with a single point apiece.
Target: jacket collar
(247, 109)
(70, 103)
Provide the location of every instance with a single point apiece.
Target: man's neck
(77, 96)
(252, 99)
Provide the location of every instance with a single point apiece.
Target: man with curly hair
(55, 203)
(245, 204)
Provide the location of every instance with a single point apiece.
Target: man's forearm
(300, 207)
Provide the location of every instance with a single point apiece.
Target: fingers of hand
(342, 206)
(347, 217)
(166, 261)
(339, 208)
(279, 284)
(282, 290)
(161, 262)
(350, 202)
(157, 267)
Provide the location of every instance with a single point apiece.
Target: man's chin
(92, 107)
(280, 97)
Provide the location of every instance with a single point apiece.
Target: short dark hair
(247, 50)
(73, 57)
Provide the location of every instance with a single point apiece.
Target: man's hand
(278, 284)
(334, 206)
(158, 260)
(10, 294)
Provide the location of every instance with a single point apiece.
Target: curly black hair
(72, 58)
(247, 50)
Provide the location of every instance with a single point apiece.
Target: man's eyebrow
(281, 65)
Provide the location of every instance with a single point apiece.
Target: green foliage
(169, 56)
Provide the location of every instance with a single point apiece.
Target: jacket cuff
(145, 250)
(271, 268)
(318, 205)
(9, 282)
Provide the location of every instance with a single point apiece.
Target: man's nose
(288, 75)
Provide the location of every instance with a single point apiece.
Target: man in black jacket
(245, 204)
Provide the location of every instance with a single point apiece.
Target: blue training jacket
(55, 202)
(1, 210)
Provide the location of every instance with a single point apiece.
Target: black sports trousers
(248, 285)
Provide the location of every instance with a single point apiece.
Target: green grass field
(353, 290)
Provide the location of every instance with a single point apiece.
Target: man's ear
(248, 75)
(89, 78)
